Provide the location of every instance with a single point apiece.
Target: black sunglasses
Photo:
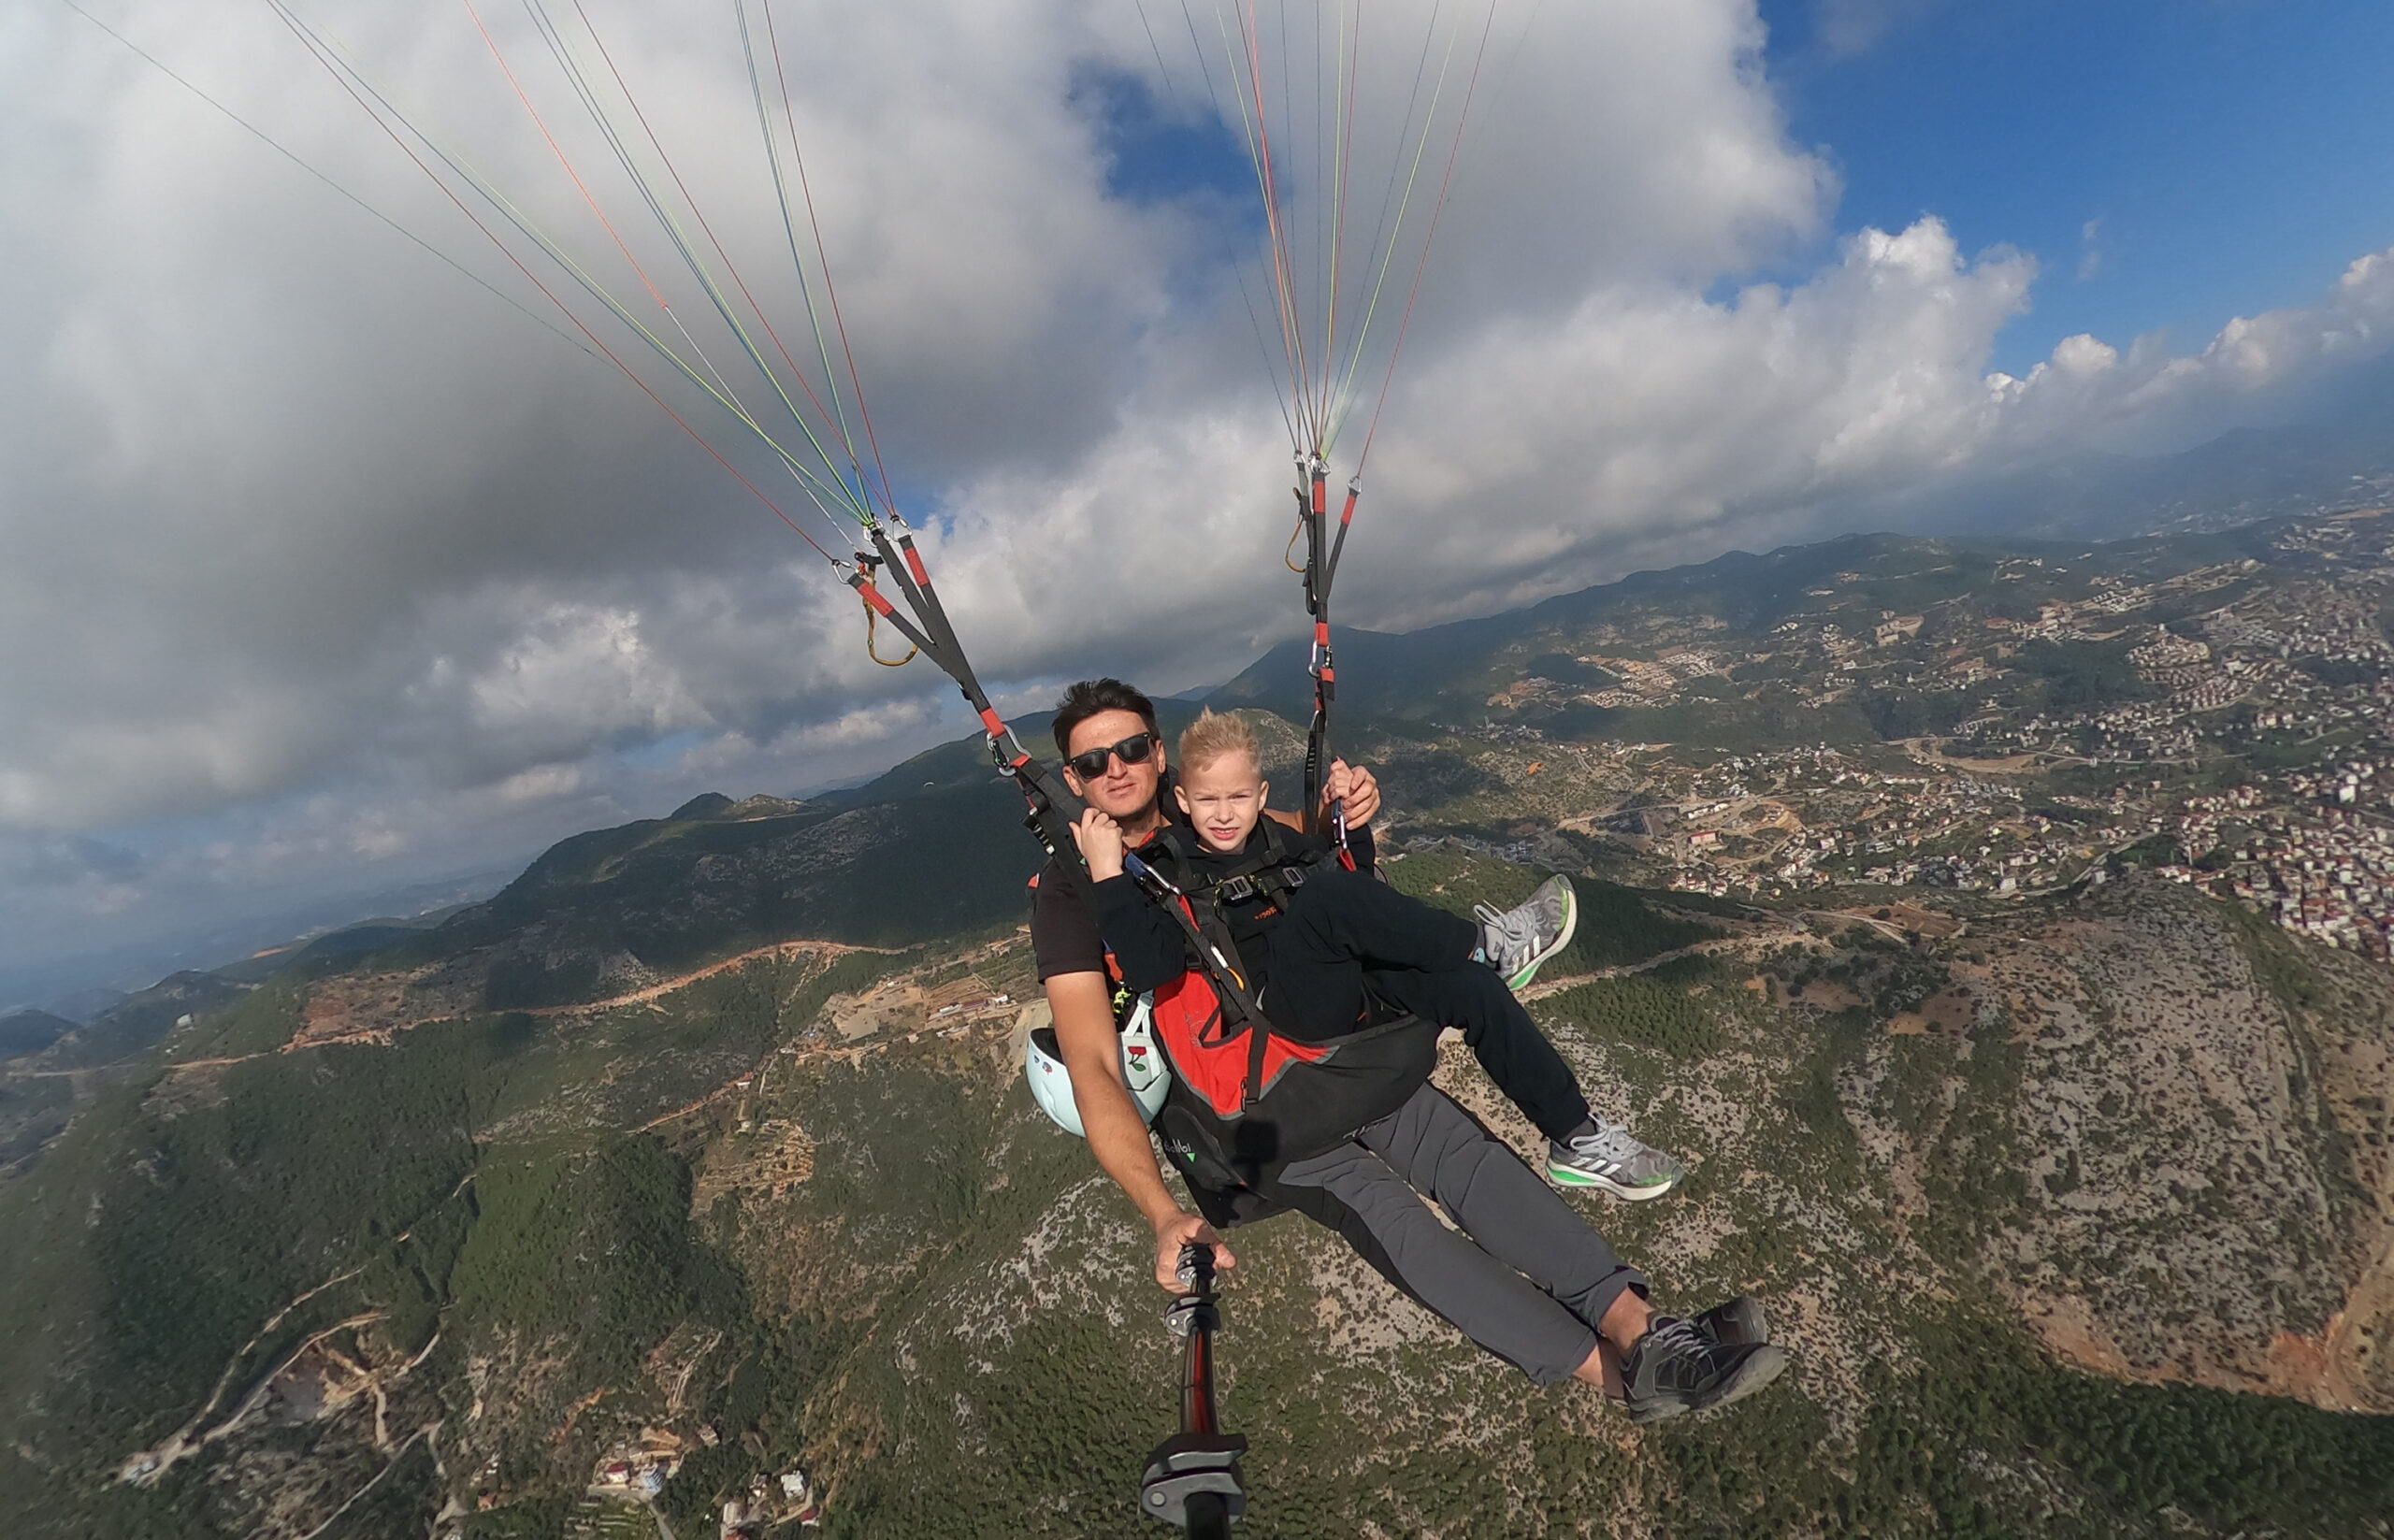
(1133, 750)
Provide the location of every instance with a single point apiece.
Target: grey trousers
(1526, 1278)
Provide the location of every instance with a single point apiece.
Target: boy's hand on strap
(1355, 785)
(1178, 1231)
(1100, 838)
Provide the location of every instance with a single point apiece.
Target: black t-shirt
(1063, 934)
(1064, 937)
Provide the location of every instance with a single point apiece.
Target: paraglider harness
(1245, 1098)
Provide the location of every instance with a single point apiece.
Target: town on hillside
(2223, 723)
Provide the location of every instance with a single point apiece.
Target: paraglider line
(1437, 206)
(263, 138)
(533, 278)
(348, 76)
(839, 412)
(1162, 68)
(674, 232)
(831, 290)
(1412, 169)
(562, 160)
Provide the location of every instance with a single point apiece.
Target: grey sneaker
(1517, 941)
(1616, 1160)
(1677, 1367)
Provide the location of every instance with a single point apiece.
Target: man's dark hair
(1093, 696)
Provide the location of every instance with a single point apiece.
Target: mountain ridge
(701, 1150)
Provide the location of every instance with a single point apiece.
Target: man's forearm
(1119, 1138)
(1117, 1134)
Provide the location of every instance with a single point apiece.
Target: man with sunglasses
(1115, 762)
(1659, 1366)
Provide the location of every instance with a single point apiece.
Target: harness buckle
(1293, 875)
(1235, 890)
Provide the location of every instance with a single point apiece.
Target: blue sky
(2233, 154)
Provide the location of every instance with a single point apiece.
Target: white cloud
(1843, 28)
(313, 554)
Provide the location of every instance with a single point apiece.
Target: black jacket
(1149, 946)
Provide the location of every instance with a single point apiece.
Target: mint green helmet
(1144, 1071)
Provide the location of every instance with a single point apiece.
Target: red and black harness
(1248, 1099)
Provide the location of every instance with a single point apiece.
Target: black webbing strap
(1270, 872)
(929, 630)
(1228, 983)
(1320, 571)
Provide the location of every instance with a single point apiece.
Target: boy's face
(1223, 798)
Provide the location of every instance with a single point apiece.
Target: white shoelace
(1610, 1142)
(1514, 934)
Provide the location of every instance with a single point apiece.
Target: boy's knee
(1480, 994)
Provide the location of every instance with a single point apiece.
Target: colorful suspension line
(288, 154)
(358, 91)
(837, 487)
(1324, 384)
(378, 106)
(917, 612)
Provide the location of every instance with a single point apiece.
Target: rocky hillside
(700, 1159)
(2033, 1198)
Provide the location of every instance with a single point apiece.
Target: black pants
(1344, 930)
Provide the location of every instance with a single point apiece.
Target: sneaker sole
(1571, 1177)
(1761, 1367)
(1562, 939)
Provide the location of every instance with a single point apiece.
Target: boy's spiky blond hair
(1212, 735)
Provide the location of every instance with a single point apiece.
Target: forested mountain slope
(702, 1154)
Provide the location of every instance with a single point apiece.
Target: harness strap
(1270, 872)
(928, 629)
(1227, 984)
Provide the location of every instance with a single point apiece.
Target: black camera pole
(1192, 1480)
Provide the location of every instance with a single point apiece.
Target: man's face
(1124, 793)
(1223, 798)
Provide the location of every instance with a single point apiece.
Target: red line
(1291, 342)
(828, 421)
(559, 151)
(1346, 166)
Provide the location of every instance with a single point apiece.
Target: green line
(789, 230)
(556, 254)
(682, 244)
